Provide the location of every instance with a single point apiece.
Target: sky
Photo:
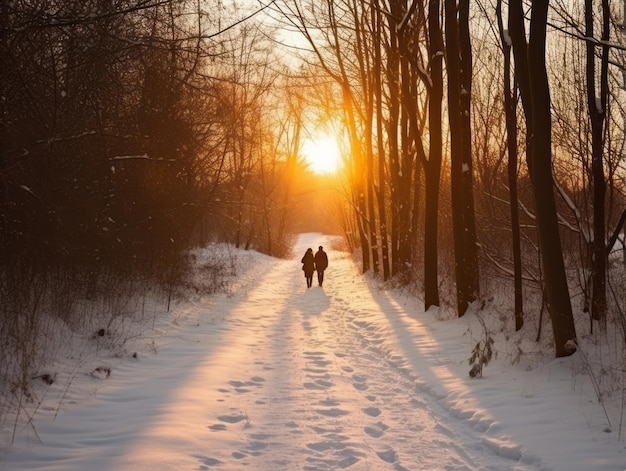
(271, 375)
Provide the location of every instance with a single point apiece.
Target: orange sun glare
(322, 154)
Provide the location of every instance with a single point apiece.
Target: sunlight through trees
(132, 132)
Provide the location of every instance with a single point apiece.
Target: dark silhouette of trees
(432, 173)
(101, 147)
(384, 61)
(597, 105)
(377, 87)
(459, 68)
(131, 131)
(510, 110)
(530, 70)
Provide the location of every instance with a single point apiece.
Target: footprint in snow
(320, 446)
(362, 324)
(359, 382)
(244, 386)
(374, 431)
(347, 462)
(255, 447)
(388, 455)
(333, 412)
(314, 386)
(232, 418)
(316, 370)
(208, 462)
(217, 427)
(372, 411)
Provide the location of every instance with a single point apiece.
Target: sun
(322, 153)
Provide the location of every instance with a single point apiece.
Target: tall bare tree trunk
(458, 54)
(597, 114)
(467, 175)
(365, 65)
(533, 79)
(510, 110)
(381, 200)
(432, 168)
(407, 155)
(393, 116)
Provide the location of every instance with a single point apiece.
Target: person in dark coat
(308, 265)
(321, 264)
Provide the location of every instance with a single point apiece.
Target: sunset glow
(322, 154)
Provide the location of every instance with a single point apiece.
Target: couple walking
(311, 262)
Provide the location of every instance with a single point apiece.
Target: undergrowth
(97, 310)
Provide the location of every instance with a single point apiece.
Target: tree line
(489, 130)
(130, 132)
(484, 145)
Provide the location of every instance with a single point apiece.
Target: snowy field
(275, 376)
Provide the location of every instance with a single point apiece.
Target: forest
(482, 155)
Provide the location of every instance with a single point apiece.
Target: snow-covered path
(316, 387)
(281, 377)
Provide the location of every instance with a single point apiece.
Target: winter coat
(308, 264)
(321, 260)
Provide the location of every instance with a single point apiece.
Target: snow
(274, 376)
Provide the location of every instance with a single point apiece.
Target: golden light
(322, 153)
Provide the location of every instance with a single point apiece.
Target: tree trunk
(368, 87)
(467, 174)
(510, 107)
(393, 113)
(597, 114)
(540, 166)
(357, 183)
(432, 168)
(406, 182)
(459, 93)
(382, 210)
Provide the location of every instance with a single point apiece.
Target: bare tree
(530, 70)
(459, 68)
(597, 106)
(377, 27)
(433, 165)
(510, 109)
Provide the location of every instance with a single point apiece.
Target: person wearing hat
(321, 264)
